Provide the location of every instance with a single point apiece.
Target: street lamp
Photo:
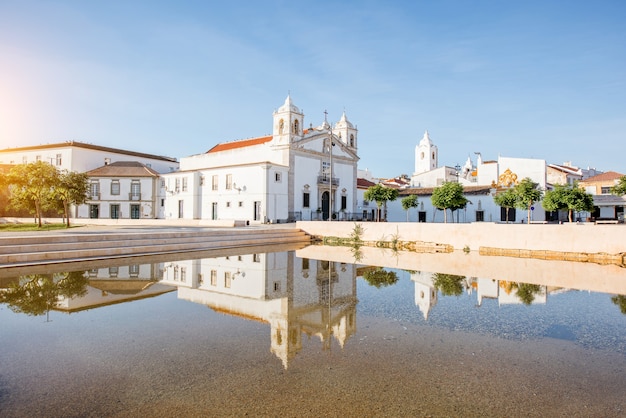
(458, 171)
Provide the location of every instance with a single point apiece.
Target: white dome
(288, 106)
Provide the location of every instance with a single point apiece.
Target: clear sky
(531, 79)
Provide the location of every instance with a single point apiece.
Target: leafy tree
(409, 202)
(527, 194)
(71, 189)
(449, 196)
(570, 198)
(448, 284)
(380, 277)
(380, 194)
(620, 188)
(36, 294)
(620, 300)
(506, 199)
(526, 292)
(32, 185)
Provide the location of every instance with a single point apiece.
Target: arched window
(281, 127)
(351, 140)
(296, 127)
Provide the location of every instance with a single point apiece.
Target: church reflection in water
(295, 296)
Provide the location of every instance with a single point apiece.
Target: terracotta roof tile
(123, 169)
(608, 176)
(225, 146)
(363, 183)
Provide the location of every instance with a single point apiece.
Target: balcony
(325, 180)
(94, 196)
(134, 196)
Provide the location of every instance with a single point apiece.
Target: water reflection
(296, 296)
(312, 292)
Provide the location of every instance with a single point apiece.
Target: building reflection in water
(295, 296)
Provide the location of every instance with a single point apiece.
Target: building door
(325, 205)
(94, 211)
(214, 211)
(181, 209)
(257, 210)
(134, 211)
(421, 216)
(115, 211)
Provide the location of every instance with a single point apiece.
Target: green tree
(380, 277)
(32, 186)
(449, 196)
(72, 189)
(381, 195)
(449, 284)
(526, 292)
(570, 198)
(620, 300)
(409, 202)
(528, 193)
(506, 199)
(37, 294)
(620, 188)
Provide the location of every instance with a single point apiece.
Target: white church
(296, 173)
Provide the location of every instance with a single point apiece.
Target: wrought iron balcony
(326, 180)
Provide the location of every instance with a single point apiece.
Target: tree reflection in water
(449, 284)
(380, 277)
(36, 294)
(620, 300)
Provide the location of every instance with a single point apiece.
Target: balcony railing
(94, 196)
(326, 180)
(134, 196)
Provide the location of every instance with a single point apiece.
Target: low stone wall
(574, 237)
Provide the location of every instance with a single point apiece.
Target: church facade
(292, 174)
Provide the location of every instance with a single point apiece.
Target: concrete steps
(43, 249)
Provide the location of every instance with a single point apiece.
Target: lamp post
(458, 171)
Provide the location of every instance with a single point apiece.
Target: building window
(162, 183)
(115, 211)
(135, 190)
(344, 202)
(113, 271)
(256, 258)
(277, 177)
(38, 158)
(177, 185)
(200, 279)
(183, 274)
(240, 204)
(133, 270)
(135, 211)
(213, 277)
(229, 181)
(162, 202)
(325, 170)
(201, 180)
(115, 187)
(227, 204)
(306, 196)
(351, 140)
(227, 279)
(94, 190)
(305, 264)
(276, 286)
(184, 184)
(24, 160)
(605, 190)
(58, 159)
(214, 182)
(480, 216)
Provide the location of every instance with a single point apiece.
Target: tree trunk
(445, 216)
(38, 213)
(67, 214)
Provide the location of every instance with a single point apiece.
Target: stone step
(141, 245)
(127, 240)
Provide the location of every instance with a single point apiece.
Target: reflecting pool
(314, 331)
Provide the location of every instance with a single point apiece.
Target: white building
(124, 190)
(293, 174)
(82, 157)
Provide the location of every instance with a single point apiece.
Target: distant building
(292, 174)
(606, 204)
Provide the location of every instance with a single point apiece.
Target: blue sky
(530, 79)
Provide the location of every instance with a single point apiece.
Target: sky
(529, 79)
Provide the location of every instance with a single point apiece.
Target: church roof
(225, 146)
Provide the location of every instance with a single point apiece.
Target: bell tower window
(281, 126)
(351, 140)
(296, 127)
